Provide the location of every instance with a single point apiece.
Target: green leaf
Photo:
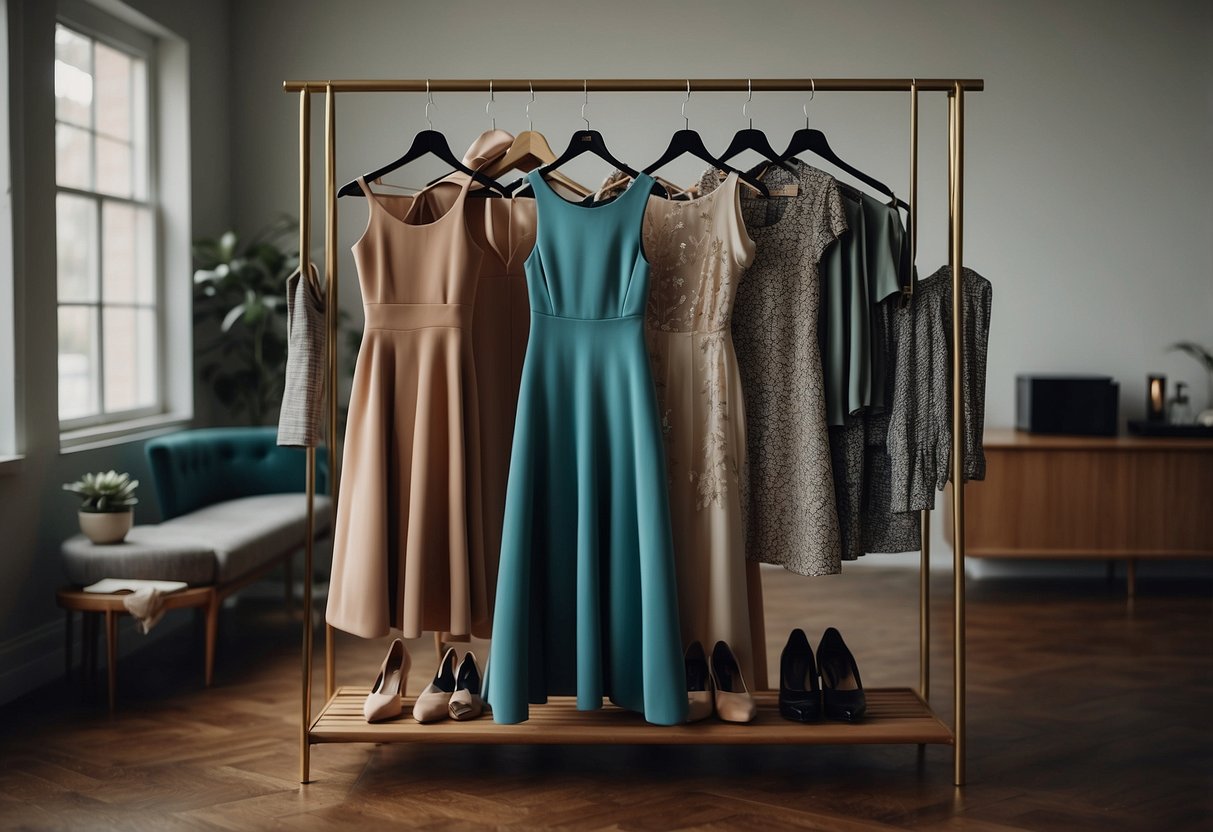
(1196, 351)
(233, 315)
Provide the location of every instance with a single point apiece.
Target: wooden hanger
(529, 151)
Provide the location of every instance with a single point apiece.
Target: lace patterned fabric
(792, 519)
(698, 250)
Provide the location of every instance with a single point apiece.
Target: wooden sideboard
(1122, 497)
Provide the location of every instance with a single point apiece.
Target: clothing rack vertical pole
(924, 519)
(956, 212)
(305, 226)
(330, 318)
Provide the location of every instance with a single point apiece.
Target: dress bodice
(416, 250)
(588, 262)
(698, 249)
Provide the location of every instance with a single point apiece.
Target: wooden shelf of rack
(895, 716)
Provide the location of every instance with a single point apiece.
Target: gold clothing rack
(895, 715)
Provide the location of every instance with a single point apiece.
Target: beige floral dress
(698, 250)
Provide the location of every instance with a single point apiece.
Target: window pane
(76, 245)
(114, 174)
(130, 358)
(139, 118)
(77, 361)
(126, 264)
(113, 79)
(73, 157)
(73, 77)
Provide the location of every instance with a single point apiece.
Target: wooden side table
(98, 606)
(1115, 497)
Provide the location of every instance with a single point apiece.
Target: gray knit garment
(920, 424)
(299, 422)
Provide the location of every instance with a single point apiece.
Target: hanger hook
(531, 87)
(585, 89)
(429, 102)
(812, 95)
(685, 119)
(749, 96)
(488, 106)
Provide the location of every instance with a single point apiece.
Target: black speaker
(1080, 405)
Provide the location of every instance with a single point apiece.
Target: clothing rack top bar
(642, 85)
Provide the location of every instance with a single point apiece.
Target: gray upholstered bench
(234, 510)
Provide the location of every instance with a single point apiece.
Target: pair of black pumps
(839, 696)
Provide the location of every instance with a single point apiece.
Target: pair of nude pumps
(717, 685)
(455, 691)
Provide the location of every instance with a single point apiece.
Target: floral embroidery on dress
(690, 291)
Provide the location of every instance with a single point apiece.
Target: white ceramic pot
(106, 526)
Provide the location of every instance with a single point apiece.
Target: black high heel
(799, 693)
(842, 695)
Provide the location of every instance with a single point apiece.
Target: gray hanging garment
(301, 417)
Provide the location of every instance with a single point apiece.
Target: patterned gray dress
(788, 496)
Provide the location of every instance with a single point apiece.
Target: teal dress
(587, 603)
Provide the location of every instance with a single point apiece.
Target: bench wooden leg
(212, 632)
(1131, 577)
(111, 656)
(88, 663)
(67, 646)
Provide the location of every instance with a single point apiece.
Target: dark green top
(866, 265)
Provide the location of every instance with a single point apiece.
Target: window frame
(91, 22)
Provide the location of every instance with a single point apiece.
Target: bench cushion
(149, 553)
(248, 532)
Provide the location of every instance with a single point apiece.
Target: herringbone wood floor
(1083, 714)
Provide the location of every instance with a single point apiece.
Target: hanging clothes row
(580, 420)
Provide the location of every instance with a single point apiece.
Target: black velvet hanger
(814, 141)
(426, 142)
(689, 141)
(750, 138)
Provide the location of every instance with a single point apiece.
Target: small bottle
(1179, 409)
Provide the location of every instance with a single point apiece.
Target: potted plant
(240, 286)
(107, 512)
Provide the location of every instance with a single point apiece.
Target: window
(110, 320)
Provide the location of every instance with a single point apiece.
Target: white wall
(1088, 156)
(1088, 165)
(35, 515)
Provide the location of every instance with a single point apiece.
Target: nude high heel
(733, 700)
(434, 702)
(384, 700)
(466, 702)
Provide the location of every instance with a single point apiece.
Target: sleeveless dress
(586, 596)
(408, 543)
(699, 249)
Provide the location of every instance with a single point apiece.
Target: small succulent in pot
(107, 510)
(105, 491)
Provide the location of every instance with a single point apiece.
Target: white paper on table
(109, 586)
